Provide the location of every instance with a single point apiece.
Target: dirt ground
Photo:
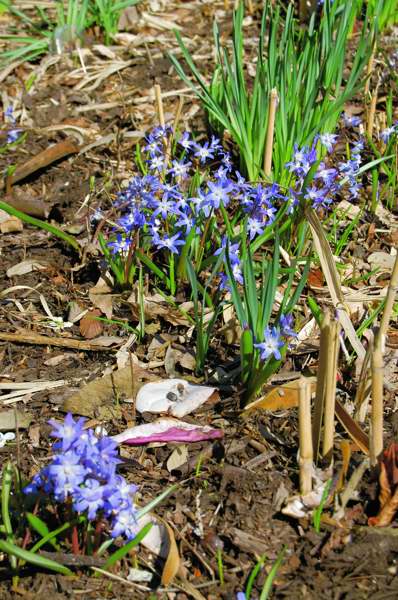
(234, 499)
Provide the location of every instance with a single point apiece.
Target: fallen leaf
(54, 361)
(172, 565)
(381, 260)
(352, 428)
(280, 397)
(387, 513)
(178, 457)
(9, 223)
(89, 326)
(156, 306)
(316, 278)
(100, 296)
(176, 397)
(167, 430)
(100, 398)
(7, 419)
(24, 267)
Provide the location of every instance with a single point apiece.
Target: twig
(376, 439)
(306, 453)
(273, 102)
(27, 337)
(41, 160)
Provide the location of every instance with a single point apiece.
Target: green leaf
(121, 552)
(33, 559)
(148, 507)
(40, 224)
(41, 528)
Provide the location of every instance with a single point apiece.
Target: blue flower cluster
(182, 190)
(83, 472)
(12, 134)
(275, 338)
(327, 181)
(188, 186)
(387, 133)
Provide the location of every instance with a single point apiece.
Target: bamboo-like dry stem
(320, 384)
(178, 113)
(306, 454)
(388, 308)
(330, 389)
(250, 7)
(376, 439)
(363, 389)
(159, 104)
(273, 103)
(372, 111)
(369, 70)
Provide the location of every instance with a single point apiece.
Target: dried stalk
(320, 384)
(250, 7)
(159, 104)
(306, 453)
(363, 389)
(372, 111)
(376, 438)
(388, 308)
(330, 389)
(369, 70)
(178, 113)
(273, 103)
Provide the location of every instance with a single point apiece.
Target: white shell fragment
(175, 397)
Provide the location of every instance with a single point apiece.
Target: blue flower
(89, 497)
(180, 169)
(66, 473)
(286, 322)
(271, 344)
(328, 140)
(68, 432)
(185, 141)
(171, 243)
(125, 523)
(351, 121)
(303, 159)
(387, 133)
(241, 596)
(203, 152)
(219, 192)
(254, 227)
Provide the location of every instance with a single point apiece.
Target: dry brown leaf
(172, 565)
(156, 306)
(385, 488)
(89, 326)
(178, 457)
(387, 513)
(101, 298)
(11, 224)
(315, 278)
(100, 398)
(280, 397)
(352, 428)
